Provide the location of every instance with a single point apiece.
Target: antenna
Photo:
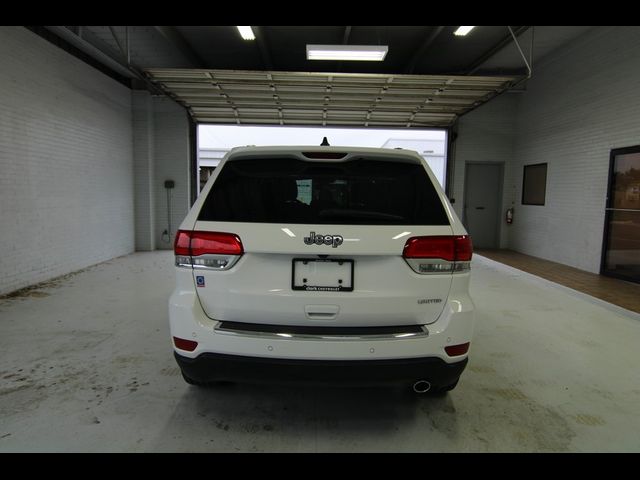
(325, 142)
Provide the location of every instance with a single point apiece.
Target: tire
(217, 383)
(445, 389)
(191, 381)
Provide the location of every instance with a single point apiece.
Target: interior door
(621, 246)
(483, 194)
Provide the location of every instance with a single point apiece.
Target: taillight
(439, 254)
(207, 250)
(464, 248)
(182, 244)
(203, 243)
(457, 350)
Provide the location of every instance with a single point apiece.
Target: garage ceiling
(429, 78)
(295, 98)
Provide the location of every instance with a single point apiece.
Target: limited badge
(200, 280)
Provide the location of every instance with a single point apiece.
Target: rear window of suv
(355, 192)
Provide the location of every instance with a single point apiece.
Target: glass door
(621, 248)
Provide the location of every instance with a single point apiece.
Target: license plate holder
(322, 274)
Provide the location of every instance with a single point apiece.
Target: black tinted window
(357, 192)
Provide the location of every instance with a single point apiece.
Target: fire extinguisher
(509, 216)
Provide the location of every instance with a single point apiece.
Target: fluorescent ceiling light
(371, 53)
(246, 33)
(461, 31)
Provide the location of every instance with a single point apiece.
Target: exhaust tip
(421, 386)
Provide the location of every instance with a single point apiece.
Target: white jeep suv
(323, 265)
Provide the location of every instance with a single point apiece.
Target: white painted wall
(66, 163)
(486, 135)
(582, 101)
(161, 152)
(143, 159)
(171, 162)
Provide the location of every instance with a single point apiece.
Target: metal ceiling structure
(429, 78)
(340, 99)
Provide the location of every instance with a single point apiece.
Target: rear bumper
(208, 367)
(188, 321)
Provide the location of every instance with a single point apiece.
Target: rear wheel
(218, 383)
(191, 381)
(444, 390)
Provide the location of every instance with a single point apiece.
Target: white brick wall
(486, 135)
(143, 159)
(171, 162)
(581, 102)
(66, 188)
(161, 152)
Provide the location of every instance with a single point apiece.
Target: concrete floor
(87, 366)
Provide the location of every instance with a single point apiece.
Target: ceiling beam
(263, 47)
(347, 34)
(429, 39)
(110, 61)
(506, 40)
(123, 48)
(102, 55)
(178, 41)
